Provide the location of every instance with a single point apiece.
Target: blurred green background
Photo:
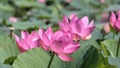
(33, 13)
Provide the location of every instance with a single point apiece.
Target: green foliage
(78, 56)
(25, 25)
(25, 3)
(94, 59)
(114, 61)
(10, 60)
(111, 46)
(7, 48)
(35, 58)
(5, 66)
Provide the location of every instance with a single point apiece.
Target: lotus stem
(51, 59)
(118, 47)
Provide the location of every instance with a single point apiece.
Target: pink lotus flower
(27, 41)
(80, 28)
(115, 22)
(63, 45)
(13, 19)
(59, 42)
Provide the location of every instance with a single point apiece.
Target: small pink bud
(68, 1)
(13, 19)
(104, 17)
(102, 1)
(106, 28)
(41, 1)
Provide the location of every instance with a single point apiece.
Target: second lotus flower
(80, 28)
